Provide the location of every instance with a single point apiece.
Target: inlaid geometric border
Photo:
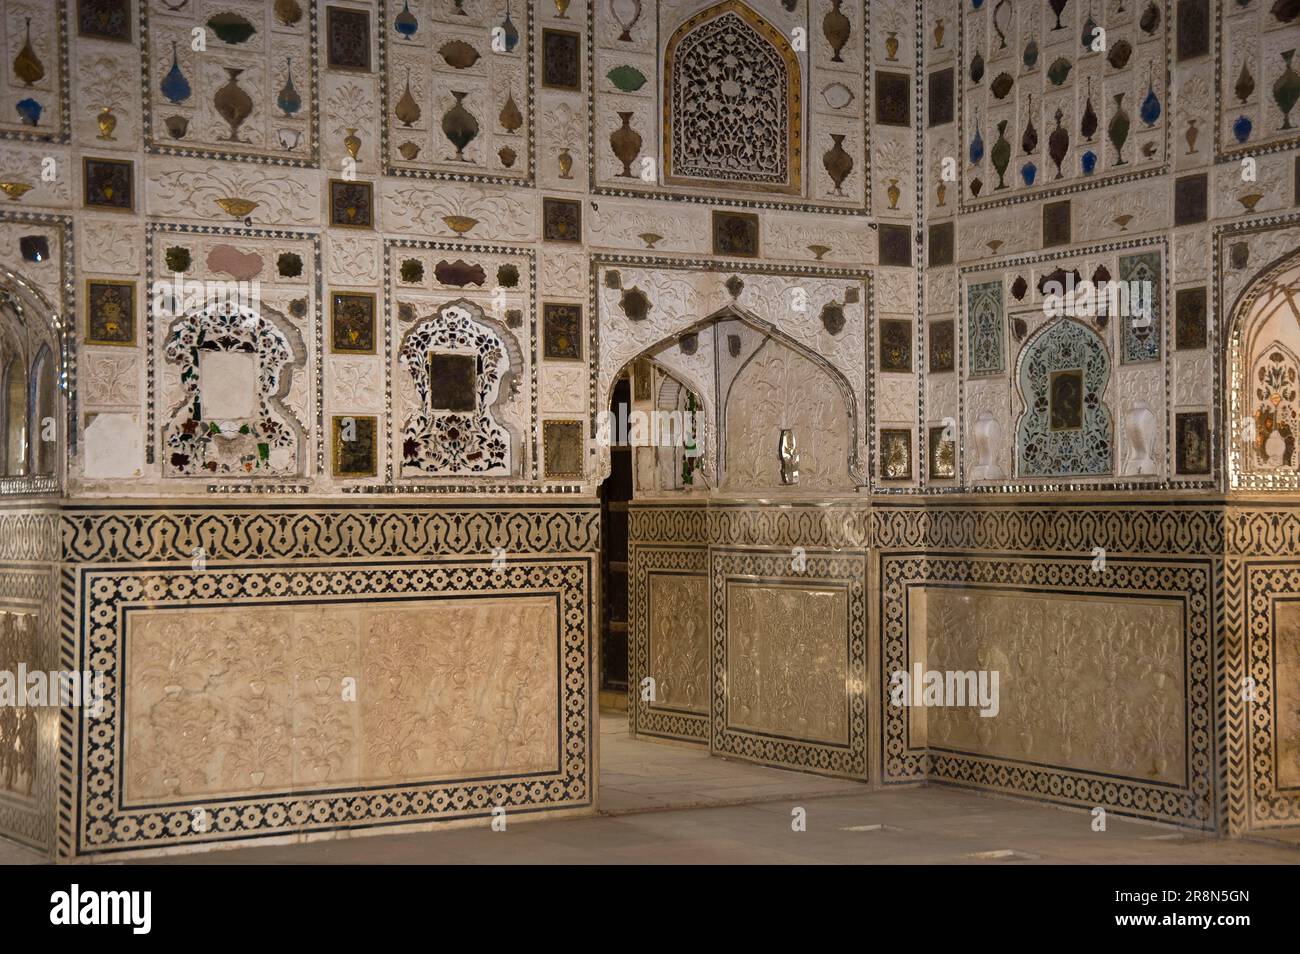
(343, 530)
(1262, 586)
(845, 571)
(1190, 581)
(30, 820)
(649, 718)
(103, 826)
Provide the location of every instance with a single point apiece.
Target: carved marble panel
(1123, 661)
(679, 641)
(228, 702)
(787, 661)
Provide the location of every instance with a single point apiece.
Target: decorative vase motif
(174, 85)
(1241, 128)
(507, 156)
(891, 46)
(510, 117)
(409, 150)
(987, 434)
(562, 9)
(232, 103)
(941, 192)
(1286, 89)
(107, 122)
(938, 33)
(1058, 7)
(1030, 55)
(1088, 124)
(977, 68)
(1029, 173)
(565, 160)
(1150, 108)
(1029, 141)
(1117, 131)
(836, 28)
(837, 162)
(177, 126)
(289, 101)
(894, 192)
(459, 125)
(407, 109)
(405, 23)
(998, 24)
(27, 65)
(29, 111)
(1058, 143)
(1245, 84)
(976, 144)
(626, 13)
(1191, 135)
(1275, 449)
(1140, 428)
(289, 138)
(626, 143)
(509, 33)
(352, 142)
(1001, 154)
(288, 12)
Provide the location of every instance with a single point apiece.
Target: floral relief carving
(453, 426)
(18, 725)
(250, 699)
(734, 102)
(782, 390)
(679, 641)
(787, 661)
(1123, 660)
(265, 436)
(110, 379)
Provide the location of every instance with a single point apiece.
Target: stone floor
(673, 804)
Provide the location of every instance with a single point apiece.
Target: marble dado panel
(215, 714)
(789, 659)
(29, 736)
(1143, 745)
(669, 642)
(1123, 663)
(1262, 696)
(245, 701)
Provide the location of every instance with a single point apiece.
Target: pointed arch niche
(32, 414)
(1065, 428)
(733, 103)
(1264, 376)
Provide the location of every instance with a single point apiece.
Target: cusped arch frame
(52, 337)
(734, 312)
(1025, 351)
(1236, 372)
(794, 98)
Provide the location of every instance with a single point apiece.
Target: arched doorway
(1263, 374)
(32, 424)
